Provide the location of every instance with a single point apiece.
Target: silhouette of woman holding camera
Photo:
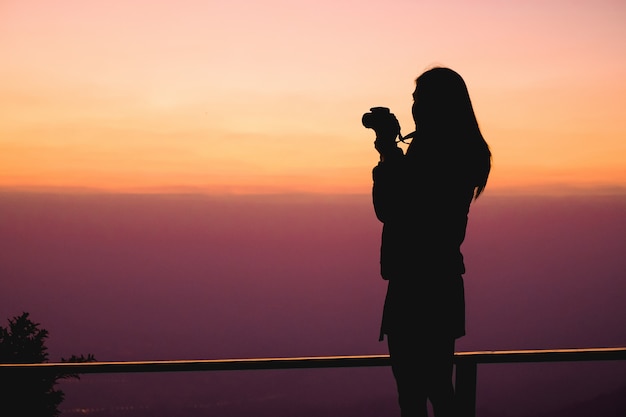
(423, 200)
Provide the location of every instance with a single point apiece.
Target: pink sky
(259, 96)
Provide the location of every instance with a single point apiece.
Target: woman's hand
(387, 148)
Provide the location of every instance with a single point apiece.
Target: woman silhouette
(423, 200)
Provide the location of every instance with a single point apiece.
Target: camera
(381, 119)
(378, 119)
(383, 122)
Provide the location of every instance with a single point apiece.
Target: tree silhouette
(29, 393)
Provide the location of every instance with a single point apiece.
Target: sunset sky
(266, 96)
(200, 125)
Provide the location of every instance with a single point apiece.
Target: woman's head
(441, 102)
(446, 123)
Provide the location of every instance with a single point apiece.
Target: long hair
(447, 125)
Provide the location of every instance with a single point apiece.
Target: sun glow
(243, 97)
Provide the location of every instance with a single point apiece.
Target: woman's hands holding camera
(387, 129)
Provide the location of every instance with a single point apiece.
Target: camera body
(384, 123)
(379, 118)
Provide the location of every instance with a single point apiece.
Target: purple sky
(138, 277)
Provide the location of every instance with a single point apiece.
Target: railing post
(465, 396)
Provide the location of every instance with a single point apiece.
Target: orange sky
(266, 96)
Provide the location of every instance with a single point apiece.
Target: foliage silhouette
(30, 394)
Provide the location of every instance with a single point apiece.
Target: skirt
(430, 306)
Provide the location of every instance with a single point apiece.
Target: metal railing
(466, 365)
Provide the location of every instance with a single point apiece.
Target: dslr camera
(382, 121)
(379, 118)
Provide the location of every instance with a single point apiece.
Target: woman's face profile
(414, 109)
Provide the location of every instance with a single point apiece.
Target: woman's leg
(407, 365)
(440, 389)
(423, 370)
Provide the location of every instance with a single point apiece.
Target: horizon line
(546, 190)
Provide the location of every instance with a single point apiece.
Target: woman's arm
(388, 189)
